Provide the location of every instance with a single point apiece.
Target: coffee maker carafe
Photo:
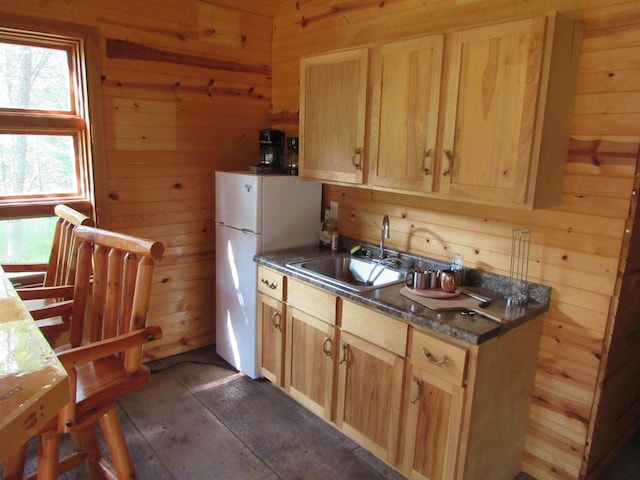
(271, 149)
(291, 156)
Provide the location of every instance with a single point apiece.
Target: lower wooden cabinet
(310, 349)
(271, 325)
(369, 395)
(422, 402)
(370, 373)
(271, 332)
(466, 407)
(309, 361)
(434, 406)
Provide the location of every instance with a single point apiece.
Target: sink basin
(354, 273)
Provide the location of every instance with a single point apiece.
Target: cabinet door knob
(416, 397)
(426, 162)
(326, 346)
(433, 359)
(356, 158)
(275, 319)
(449, 156)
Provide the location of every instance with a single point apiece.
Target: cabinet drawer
(270, 283)
(314, 301)
(381, 330)
(440, 358)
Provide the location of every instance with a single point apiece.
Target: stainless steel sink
(354, 273)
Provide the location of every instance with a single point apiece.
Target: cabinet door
(369, 393)
(271, 332)
(432, 426)
(406, 89)
(333, 103)
(494, 76)
(309, 362)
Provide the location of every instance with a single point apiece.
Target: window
(45, 137)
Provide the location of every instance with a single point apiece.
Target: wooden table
(33, 383)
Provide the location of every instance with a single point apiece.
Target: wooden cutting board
(459, 302)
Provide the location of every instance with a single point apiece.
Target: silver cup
(417, 280)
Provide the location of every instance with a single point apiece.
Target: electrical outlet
(333, 206)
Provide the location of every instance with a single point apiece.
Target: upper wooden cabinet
(333, 104)
(510, 90)
(406, 88)
(479, 115)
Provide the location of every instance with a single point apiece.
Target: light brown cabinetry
(424, 403)
(434, 402)
(495, 132)
(466, 407)
(508, 108)
(333, 104)
(370, 366)
(310, 350)
(403, 124)
(271, 325)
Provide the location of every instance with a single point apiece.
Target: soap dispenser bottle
(457, 266)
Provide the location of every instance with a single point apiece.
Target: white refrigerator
(254, 214)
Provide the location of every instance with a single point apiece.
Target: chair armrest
(25, 274)
(51, 310)
(24, 267)
(96, 350)
(26, 280)
(35, 293)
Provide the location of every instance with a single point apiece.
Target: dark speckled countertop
(472, 329)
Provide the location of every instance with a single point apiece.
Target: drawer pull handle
(326, 346)
(432, 359)
(345, 350)
(276, 324)
(416, 397)
(272, 285)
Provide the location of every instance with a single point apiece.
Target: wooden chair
(60, 270)
(108, 317)
(61, 265)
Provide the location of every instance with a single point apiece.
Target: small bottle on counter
(334, 239)
(325, 232)
(457, 266)
(332, 228)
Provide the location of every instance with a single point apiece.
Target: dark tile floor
(197, 420)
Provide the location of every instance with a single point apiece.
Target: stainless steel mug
(416, 280)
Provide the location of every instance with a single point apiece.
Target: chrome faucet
(384, 233)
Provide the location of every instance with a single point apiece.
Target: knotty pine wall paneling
(586, 394)
(186, 87)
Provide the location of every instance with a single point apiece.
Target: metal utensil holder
(518, 284)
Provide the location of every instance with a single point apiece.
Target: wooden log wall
(587, 392)
(185, 88)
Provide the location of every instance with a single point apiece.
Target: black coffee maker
(271, 151)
